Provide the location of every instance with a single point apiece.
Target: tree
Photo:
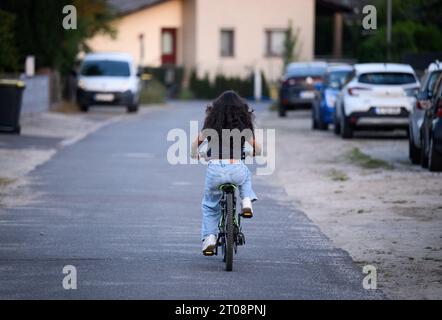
(416, 28)
(290, 52)
(8, 50)
(39, 29)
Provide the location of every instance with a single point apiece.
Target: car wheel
(337, 126)
(321, 124)
(282, 111)
(414, 152)
(423, 156)
(84, 108)
(434, 159)
(132, 108)
(346, 129)
(314, 121)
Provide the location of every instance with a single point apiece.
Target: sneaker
(247, 210)
(209, 245)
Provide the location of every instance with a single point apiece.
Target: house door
(168, 46)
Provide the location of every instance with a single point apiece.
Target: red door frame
(169, 58)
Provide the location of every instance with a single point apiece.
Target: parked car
(417, 115)
(379, 96)
(108, 79)
(300, 85)
(431, 135)
(323, 111)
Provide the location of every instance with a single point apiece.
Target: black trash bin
(11, 92)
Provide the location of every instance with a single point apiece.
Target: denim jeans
(218, 174)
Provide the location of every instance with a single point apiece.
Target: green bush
(8, 51)
(174, 83)
(153, 92)
(186, 94)
(206, 89)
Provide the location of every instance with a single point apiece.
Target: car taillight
(423, 104)
(356, 90)
(289, 82)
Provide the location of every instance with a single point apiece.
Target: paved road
(113, 207)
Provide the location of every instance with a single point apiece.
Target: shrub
(153, 92)
(172, 81)
(8, 51)
(205, 89)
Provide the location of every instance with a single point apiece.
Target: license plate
(388, 110)
(307, 95)
(105, 97)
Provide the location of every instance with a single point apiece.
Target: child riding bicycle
(227, 127)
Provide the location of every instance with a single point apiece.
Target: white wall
(149, 22)
(249, 19)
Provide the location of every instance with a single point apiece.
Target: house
(230, 37)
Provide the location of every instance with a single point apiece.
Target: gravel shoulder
(368, 200)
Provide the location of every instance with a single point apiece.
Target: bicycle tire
(229, 232)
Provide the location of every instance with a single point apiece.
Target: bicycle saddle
(228, 187)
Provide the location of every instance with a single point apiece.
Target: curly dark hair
(229, 111)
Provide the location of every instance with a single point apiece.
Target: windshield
(306, 72)
(106, 68)
(387, 78)
(433, 79)
(337, 79)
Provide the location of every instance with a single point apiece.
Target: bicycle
(230, 234)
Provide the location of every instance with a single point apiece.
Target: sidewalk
(43, 134)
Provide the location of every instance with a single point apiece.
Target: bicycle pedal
(241, 239)
(247, 215)
(209, 253)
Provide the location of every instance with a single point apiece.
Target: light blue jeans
(218, 174)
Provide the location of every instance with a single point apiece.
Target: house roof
(332, 6)
(124, 7)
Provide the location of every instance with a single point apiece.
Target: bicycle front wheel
(229, 227)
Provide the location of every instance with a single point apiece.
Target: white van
(108, 79)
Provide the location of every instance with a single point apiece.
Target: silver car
(417, 114)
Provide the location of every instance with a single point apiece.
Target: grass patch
(67, 107)
(363, 160)
(153, 92)
(274, 106)
(6, 181)
(337, 175)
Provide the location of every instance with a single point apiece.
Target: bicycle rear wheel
(229, 233)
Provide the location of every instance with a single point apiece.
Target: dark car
(417, 114)
(323, 111)
(431, 135)
(300, 84)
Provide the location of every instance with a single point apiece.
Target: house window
(274, 43)
(227, 43)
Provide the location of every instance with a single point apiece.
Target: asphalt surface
(113, 207)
